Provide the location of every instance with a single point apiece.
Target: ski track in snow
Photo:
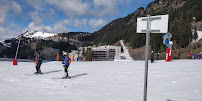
(179, 80)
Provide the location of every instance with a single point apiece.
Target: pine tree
(88, 54)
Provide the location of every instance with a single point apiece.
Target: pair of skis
(52, 78)
(61, 77)
(34, 74)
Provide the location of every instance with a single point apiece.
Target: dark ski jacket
(39, 58)
(152, 55)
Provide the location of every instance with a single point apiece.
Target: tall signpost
(15, 62)
(150, 24)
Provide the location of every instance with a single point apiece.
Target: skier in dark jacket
(152, 56)
(67, 63)
(157, 56)
(39, 62)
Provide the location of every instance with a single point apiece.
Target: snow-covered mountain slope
(125, 54)
(37, 34)
(178, 80)
(199, 36)
(6, 44)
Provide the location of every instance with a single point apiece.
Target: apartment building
(105, 53)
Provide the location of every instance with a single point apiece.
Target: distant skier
(199, 55)
(152, 56)
(39, 62)
(67, 62)
(157, 57)
(190, 55)
(195, 56)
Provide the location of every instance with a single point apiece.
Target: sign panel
(159, 24)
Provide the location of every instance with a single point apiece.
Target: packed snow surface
(178, 80)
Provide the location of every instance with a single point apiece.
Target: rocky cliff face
(163, 5)
(2, 47)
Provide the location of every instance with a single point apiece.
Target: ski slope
(199, 36)
(125, 53)
(179, 80)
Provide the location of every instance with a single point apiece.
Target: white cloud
(72, 8)
(36, 18)
(60, 26)
(77, 22)
(76, 12)
(96, 23)
(16, 8)
(107, 7)
(82, 8)
(74, 22)
(57, 28)
(3, 15)
(6, 33)
(6, 6)
(36, 4)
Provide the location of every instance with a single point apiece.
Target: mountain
(184, 15)
(37, 34)
(49, 44)
(181, 14)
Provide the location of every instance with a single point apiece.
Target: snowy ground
(179, 80)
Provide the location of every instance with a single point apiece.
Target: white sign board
(158, 25)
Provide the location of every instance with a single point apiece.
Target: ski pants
(66, 71)
(152, 60)
(38, 70)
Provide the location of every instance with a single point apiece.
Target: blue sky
(58, 16)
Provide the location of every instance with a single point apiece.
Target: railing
(28, 60)
(19, 60)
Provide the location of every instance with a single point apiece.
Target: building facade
(106, 53)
